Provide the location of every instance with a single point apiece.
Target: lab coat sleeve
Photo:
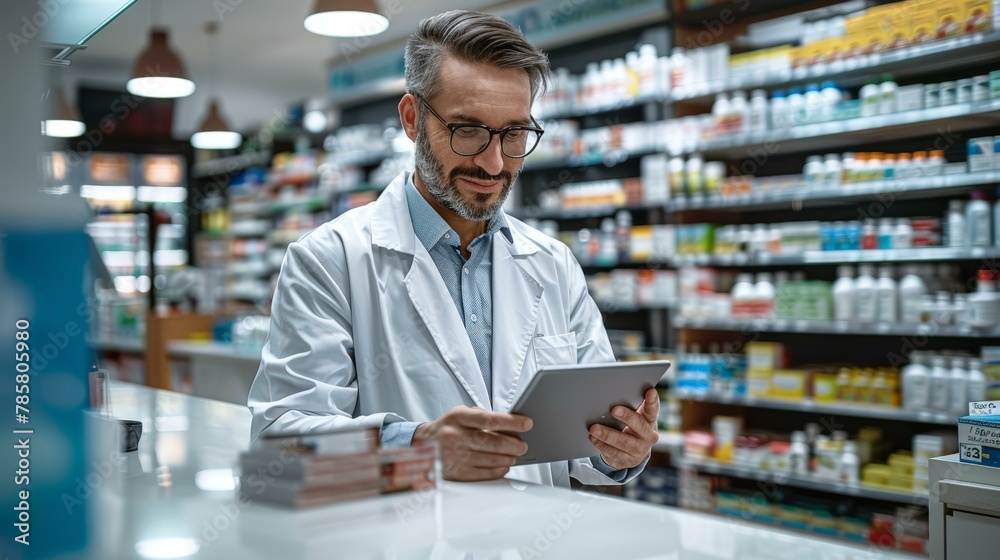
(593, 346)
(307, 379)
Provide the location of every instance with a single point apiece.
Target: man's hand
(471, 448)
(630, 447)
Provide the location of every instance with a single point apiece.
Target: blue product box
(979, 439)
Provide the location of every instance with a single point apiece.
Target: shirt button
(466, 269)
(447, 236)
(474, 318)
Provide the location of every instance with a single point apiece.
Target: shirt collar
(430, 228)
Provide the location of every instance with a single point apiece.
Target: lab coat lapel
(392, 229)
(432, 301)
(516, 297)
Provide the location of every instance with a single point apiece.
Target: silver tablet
(564, 401)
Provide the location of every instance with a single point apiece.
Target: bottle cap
(986, 275)
(978, 195)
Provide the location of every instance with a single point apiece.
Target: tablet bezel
(619, 378)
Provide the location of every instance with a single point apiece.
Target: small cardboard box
(981, 155)
(979, 434)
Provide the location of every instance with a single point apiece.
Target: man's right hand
(471, 446)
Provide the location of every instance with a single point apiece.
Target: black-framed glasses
(469, 139)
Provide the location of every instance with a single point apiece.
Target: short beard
(445, 191)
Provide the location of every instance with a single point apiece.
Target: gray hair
(473, 37)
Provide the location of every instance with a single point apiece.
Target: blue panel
(41, 297)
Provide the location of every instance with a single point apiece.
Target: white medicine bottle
(843, 294)
(865, 291)
(911, 289)
(888, 297)
(916, 383)
(959, 386)
(940, 398)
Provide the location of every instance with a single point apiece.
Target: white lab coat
(363, 330)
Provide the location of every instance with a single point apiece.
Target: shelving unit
(832, 327)
(810, 406)
(805, 482)
(923, 254)
(838, 134)
(915, 60)
(900, 189)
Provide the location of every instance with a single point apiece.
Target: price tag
(973, 453)
(984, 408)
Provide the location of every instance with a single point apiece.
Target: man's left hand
(629, 448)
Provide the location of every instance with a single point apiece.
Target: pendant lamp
(345, 18)
(159, 72)
(214, 133)
(65, 121)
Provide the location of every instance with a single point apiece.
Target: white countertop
(190, 445)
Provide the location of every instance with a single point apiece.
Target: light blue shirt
(470, 283)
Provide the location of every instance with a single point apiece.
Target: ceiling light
(314, 121)
(66, 122)
(159, 72)
(214, 133)
(345, 18)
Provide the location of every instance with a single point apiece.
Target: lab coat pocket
(554, 350)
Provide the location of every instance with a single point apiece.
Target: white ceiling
(267, 59)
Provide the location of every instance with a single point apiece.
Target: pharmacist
(427, 311)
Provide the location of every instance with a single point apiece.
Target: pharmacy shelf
(583, 213)
(921, 254)
(292, 178)
(607, 158)
(649, 263)
(230, 165)
(607, 109)
(284, 237)
(608, 307)
(362, 158)
(250, 208)
(728, 13)
(669, 442)
(804, 482)
(851, 132)
(309, 204)
(832, 327)
(896, 189)
(925, 59)
(808, 405)
(211, 349)
(250, 228)
(837, 327)
(251, 268)
(118, 344)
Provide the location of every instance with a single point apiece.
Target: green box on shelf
(995, 84)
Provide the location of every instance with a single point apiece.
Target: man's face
(473, 187)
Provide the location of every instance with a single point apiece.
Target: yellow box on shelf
(824, 387)
(789, 384)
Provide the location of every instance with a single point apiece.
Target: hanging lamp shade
(159, 72)
(214, 133)
(345, 18)
(65, 119)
